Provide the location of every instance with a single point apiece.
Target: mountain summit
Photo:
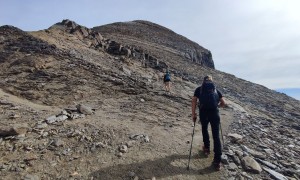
(155, 38)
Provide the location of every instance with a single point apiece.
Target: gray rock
(246, 176)
(126, 71)
(100, 144)
(249, 164)
(269, 151)
(57, 143)
(31, 177)
(275, 174)
(131, 174)
(143, 137)
(84, 109)
(235, 137)
(54, 118)
(232, 166)
(64, 112)
(239, 153)
(76, 116)
(270, 165)
(256, 154)
(146, 138)
(51, 119)
(123, 149)
(231, 178)
(224, 159)
(41, 125)
(119, 154)
(236, 160)
(61, 118)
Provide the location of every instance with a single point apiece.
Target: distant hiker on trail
(209, 100)
(167, 81)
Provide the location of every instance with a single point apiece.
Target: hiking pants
(212, 117)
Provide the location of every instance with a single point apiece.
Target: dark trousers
(212, 117)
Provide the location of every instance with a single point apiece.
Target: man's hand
(222, 103)
(194, 118)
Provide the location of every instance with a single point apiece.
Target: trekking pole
(222, 133)
(188, 167)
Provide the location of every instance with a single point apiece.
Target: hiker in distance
(209, 99)
(167, 81)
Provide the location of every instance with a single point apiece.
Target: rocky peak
(134, 32)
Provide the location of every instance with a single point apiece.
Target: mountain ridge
(159, 35)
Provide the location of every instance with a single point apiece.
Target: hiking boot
(205, 150)
(217, 166)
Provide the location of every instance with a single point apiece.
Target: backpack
(209, 98)
(167, 77)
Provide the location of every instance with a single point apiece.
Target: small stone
(14, 116)
(61, 118)
(224, 159)
(51, 119)
(119, 154)
(14, 108)
(275, 174)
(235, 137)
(84, 109)
(246, 176)
(147, 139)
(74, 174)
(131, 174)
(100, 144)
(31, 177)
(142, 100)
(232, 166)
(249, 164)
(41, 125)
(57, 143)
(269, 151)
(64, 112)
(123, 149)
(239, 153)
(45, 134)
(236, 160)
(270, 165)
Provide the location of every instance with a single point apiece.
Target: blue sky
(256, 40)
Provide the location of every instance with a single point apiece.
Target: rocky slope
(79, 103)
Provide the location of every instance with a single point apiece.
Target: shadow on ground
(158, 168)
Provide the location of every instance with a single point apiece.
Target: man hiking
(209, 99)
(167, 81)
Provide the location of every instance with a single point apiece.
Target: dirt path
(166, 156)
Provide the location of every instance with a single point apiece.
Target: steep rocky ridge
(154, 38)
(49, 71)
